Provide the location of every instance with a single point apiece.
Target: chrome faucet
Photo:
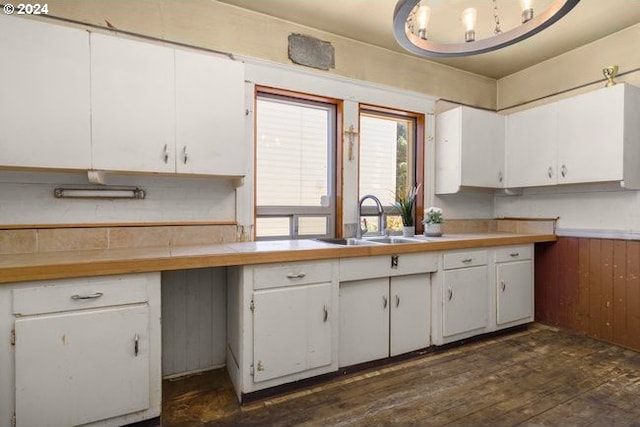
(380, 213)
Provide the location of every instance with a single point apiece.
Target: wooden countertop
(59, 265)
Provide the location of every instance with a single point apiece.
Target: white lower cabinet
(364, 321)
(86, 350)
(514, 286)
(461, 296)
(281, 324)
(384, 316)
(464, 303)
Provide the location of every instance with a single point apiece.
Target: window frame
(418, 158)
(334, 218)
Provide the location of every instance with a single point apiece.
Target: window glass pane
(272, 226)
(386, 156)
(394, 223)
(292, 153)
(312, 225)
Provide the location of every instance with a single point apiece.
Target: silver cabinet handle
(563, 170)
(94, 295)
(450, 294)
(166, 153)
(503, 285)
(500, 176)
(514, 254)
(296, 275)
(136, 346)
(385, 301)
(397, 301)
(467, 260)
(550, 172)
(185, 156)
(326, 313)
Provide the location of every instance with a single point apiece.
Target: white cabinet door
(482, 148)
(532, 147)
(209, 115)
(291, 330)
(44, 106)
(77, 367)
(464, 300)
(410, 324)
(515, 292)
(364, 321)
(591, 136)
(133, 105)
(469, 149)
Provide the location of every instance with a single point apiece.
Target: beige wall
(574, 68)
(218, 26)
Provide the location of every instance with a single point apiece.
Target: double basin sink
(370, 241)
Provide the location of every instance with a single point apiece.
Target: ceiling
(370, 21)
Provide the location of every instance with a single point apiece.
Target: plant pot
(433, 230)
(408, 231)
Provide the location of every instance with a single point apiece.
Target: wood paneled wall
(194, 319)
(590, 286)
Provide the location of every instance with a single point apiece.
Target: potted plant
(404, 204)
(433, 222)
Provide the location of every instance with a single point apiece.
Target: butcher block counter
(58, 265)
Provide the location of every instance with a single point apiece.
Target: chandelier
(413, 22)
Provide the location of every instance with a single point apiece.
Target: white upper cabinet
(469, 150)
(594, 137)
(531, 147)
(599, 136)
(44, 106)
(133, 105)
(209, 115)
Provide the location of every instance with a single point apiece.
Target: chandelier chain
(497, 30)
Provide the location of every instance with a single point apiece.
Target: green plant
(433, 215)
(404, 205)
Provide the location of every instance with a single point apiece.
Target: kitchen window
(391, 162)
(295, 166)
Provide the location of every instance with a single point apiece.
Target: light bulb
(423, 15)
(469, 21)
(527, 10)
(469, 18)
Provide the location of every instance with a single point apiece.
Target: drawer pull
(514, 254)
(450, 294)
(296, 275)
(94, 295)
(165, 153)
(136, 347)
(503, 285)
(467, 260)
(394, 261)
(326, 313)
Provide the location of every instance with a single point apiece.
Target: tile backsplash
(25, 241)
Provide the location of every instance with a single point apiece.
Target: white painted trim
(598, 233)
(268, 73)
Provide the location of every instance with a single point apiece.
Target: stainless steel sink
(346, 242)
(390, 240)
(367, 241)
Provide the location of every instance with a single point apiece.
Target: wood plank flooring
(539, 377)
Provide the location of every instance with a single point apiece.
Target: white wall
(27, 198)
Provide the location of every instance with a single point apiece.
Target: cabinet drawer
(514, 253)
(382, 266)
(464, 259)
(291, 273)
(77, 294)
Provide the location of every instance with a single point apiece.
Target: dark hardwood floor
(539, 377)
